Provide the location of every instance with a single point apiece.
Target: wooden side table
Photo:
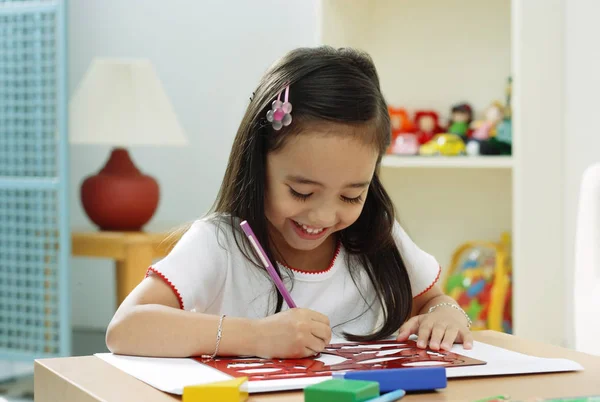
(133, 253)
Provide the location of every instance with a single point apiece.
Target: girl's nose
(323, 216)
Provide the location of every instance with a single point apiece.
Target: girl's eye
(349, 200)
(299, 196)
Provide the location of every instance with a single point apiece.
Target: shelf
(473, 162)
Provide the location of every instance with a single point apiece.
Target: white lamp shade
(123, 103)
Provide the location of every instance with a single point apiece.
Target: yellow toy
(481, 283)
(224, 391)
(444, 144)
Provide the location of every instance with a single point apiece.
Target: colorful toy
(336, 390)
(405, 144)
(484, 129)
(427, 122)
(480, 281)
(460, 120)
(400, 122)
(224, 391)
(501, 143)
(411, 379)
(443, 144)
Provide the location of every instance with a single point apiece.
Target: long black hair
(327, 85)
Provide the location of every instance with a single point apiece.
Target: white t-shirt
(210, 274)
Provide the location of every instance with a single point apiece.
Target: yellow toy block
(223, 391)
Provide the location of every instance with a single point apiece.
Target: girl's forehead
(318, 133)
(330, 159)
(333, 138)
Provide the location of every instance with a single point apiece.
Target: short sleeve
(423, 269)
(196, 268)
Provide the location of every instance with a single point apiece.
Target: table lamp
(121, 102)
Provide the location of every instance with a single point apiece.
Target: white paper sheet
(172, 375)
(505, 362)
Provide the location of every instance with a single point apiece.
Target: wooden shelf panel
(477, 162)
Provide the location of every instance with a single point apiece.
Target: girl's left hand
(440, 329)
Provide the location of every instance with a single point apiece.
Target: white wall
(429, 53)
(209, 55)
(582, 138)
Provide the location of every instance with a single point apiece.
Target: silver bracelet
(219, 334)
(455, 306)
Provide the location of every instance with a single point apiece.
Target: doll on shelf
(461, 117)
(405, 144)
(400, 122)
(427, 122)
(504, 130)
(481, 142)
(484, 129)
(501, 143)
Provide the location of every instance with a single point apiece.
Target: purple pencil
(265, 260)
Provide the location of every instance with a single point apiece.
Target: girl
(303, 172)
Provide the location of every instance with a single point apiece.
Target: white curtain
(587, 264)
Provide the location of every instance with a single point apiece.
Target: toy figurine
(400, 122)
(460, 120)
(504, 130)
(427, 122)
(484, 129)
(405, 144)
(501, 143)
(443, 144)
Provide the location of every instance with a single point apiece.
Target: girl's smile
(308, 232)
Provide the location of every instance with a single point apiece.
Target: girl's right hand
(293, 334)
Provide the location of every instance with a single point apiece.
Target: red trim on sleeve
(432, 283)
(168, 282)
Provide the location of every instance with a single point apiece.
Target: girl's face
(316, 185)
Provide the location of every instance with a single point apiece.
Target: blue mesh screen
(34, 232)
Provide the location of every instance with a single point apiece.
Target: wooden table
(85, 379)
(133, 253)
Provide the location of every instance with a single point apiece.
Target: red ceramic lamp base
(120, 197)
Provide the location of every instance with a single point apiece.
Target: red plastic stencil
(363, 356)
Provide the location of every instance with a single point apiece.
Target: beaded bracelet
(431, 309)
(219, 334)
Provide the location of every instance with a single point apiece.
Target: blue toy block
(408, 379)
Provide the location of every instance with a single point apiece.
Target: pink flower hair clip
(279, 115)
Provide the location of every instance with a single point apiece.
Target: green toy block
(338, 390)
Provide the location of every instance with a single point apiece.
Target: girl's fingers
(408, 328)
(321, 331)
(316, 345)
(467, 338)
(449, 338)
(437, 334)
(424, 334)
